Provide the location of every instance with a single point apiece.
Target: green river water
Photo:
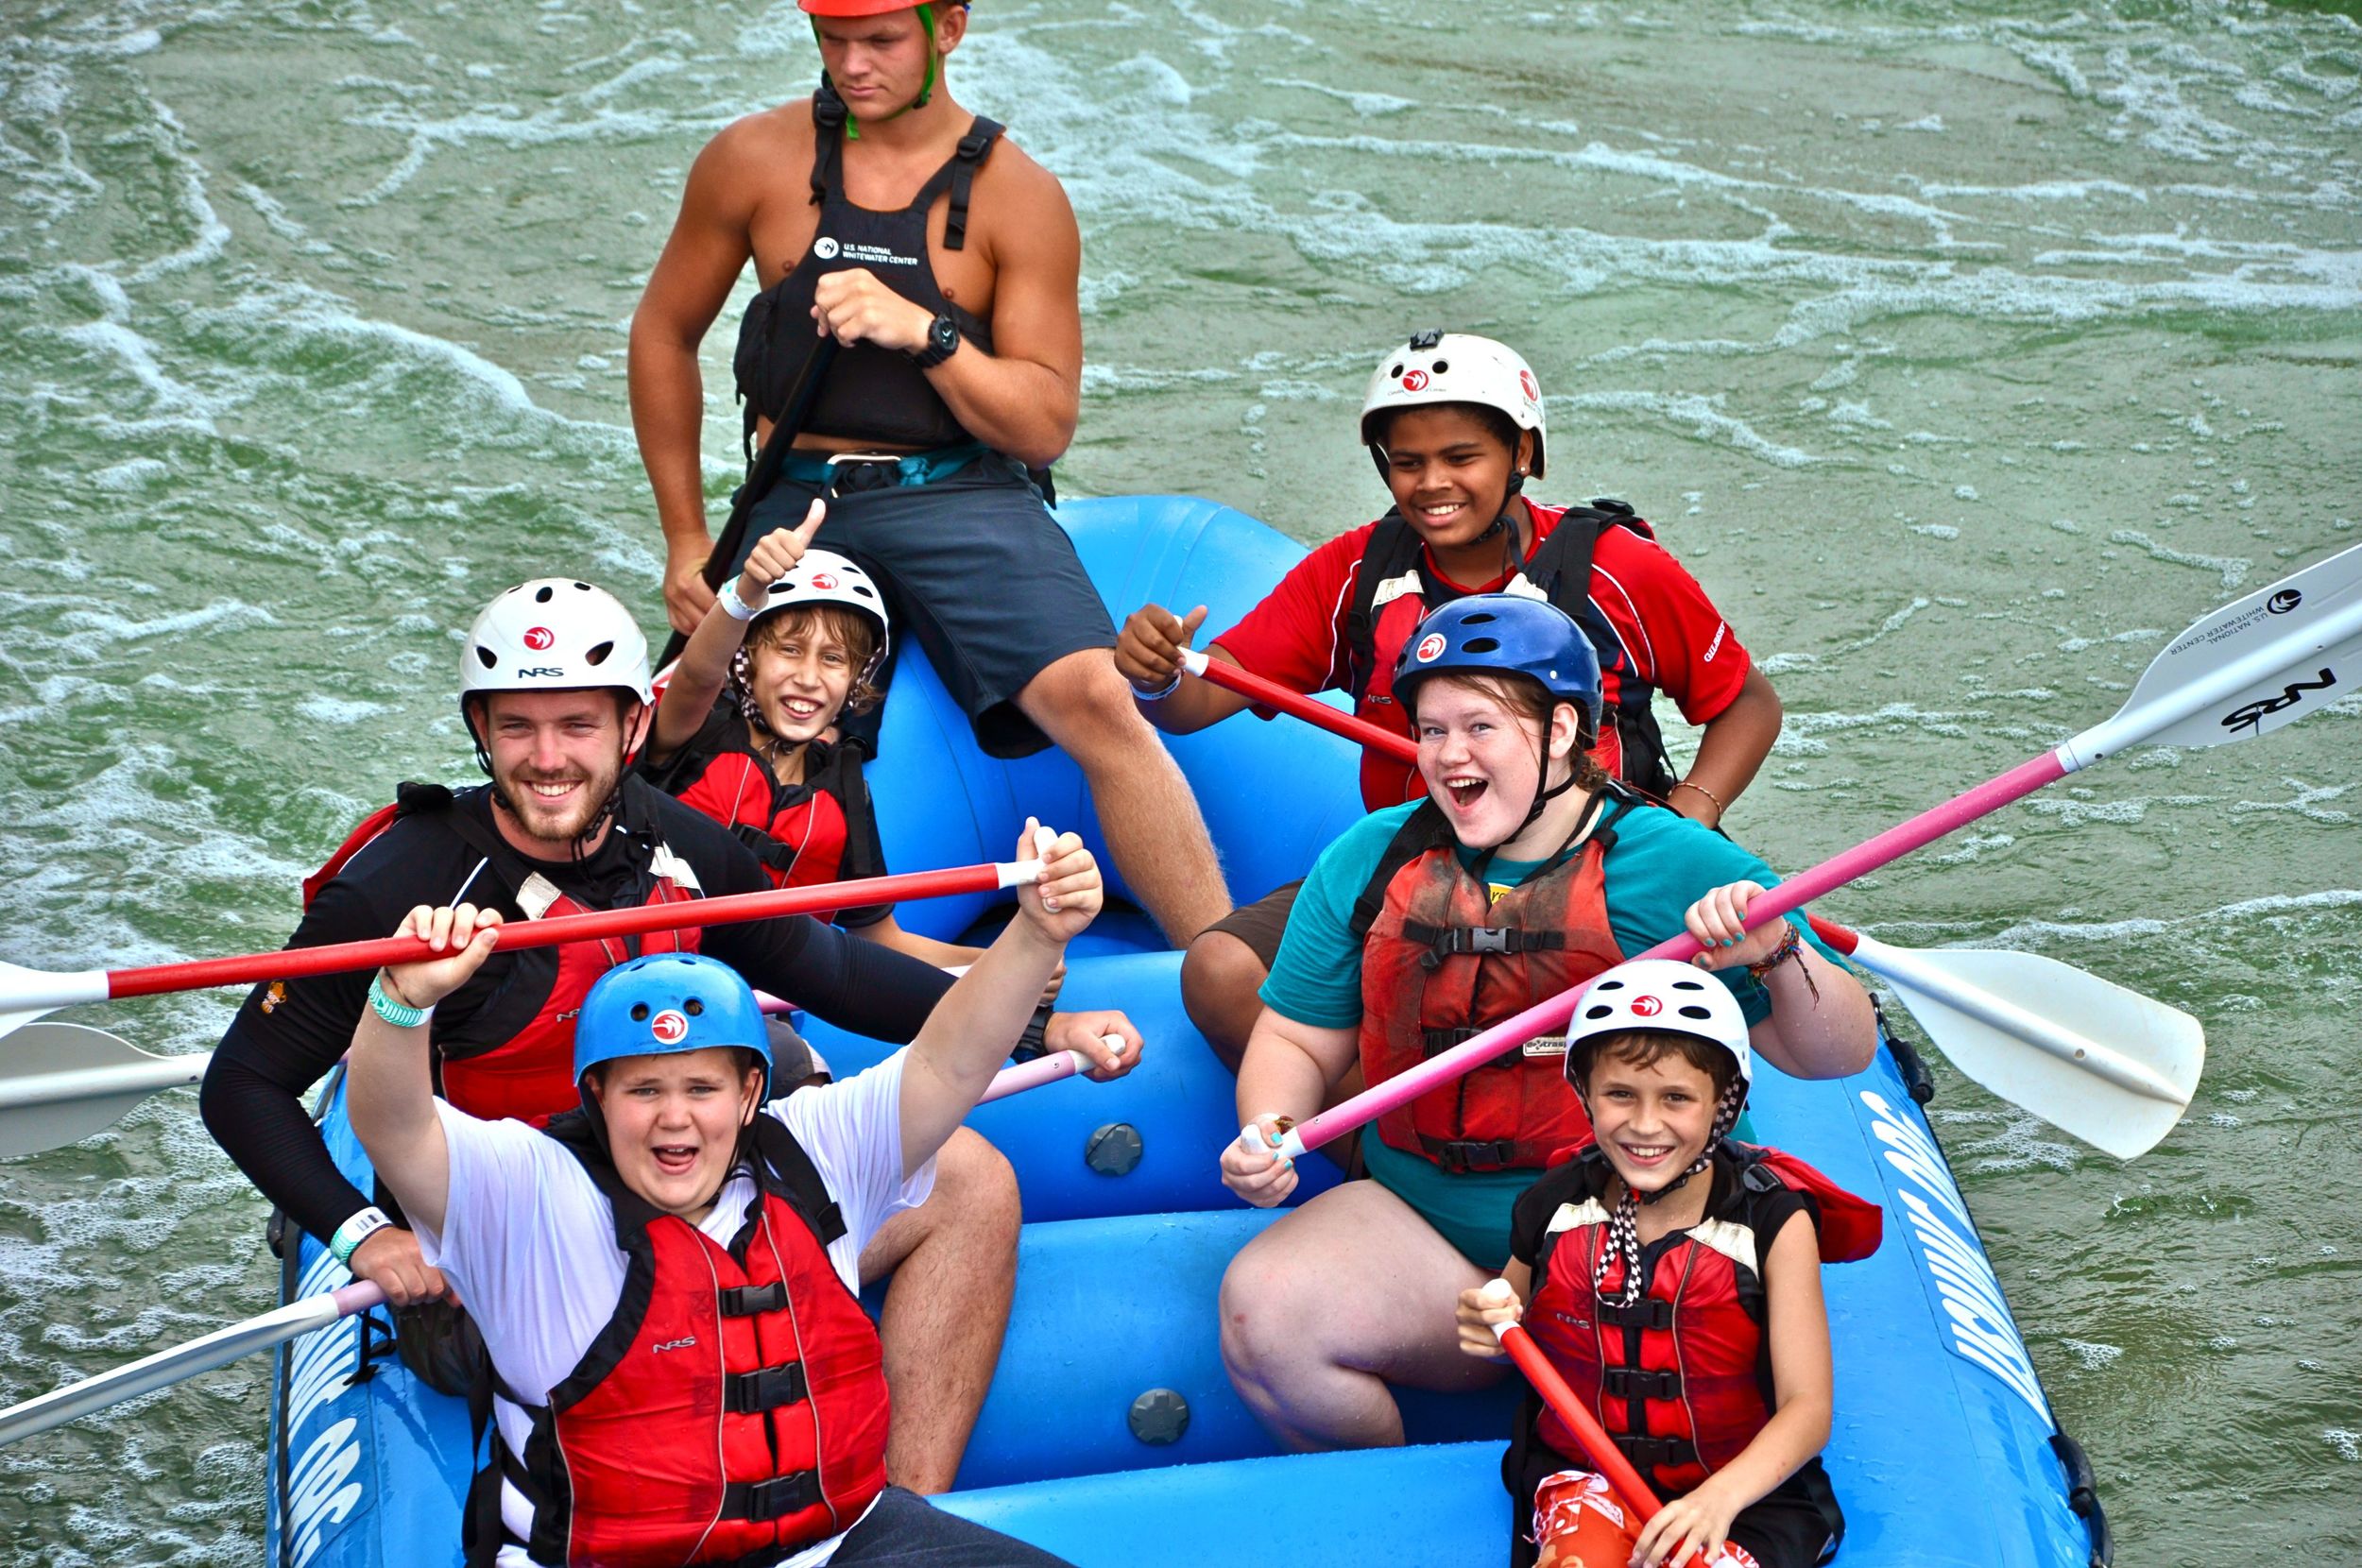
(1965, 352)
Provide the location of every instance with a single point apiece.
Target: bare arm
(1148, 654)
(1822, 1024)
(1797, 1325)
(389, 1091)
(1288, 1071)
(968, 1035)
(705, 663)
(888, 932)
(1733, 745)
(710, 246)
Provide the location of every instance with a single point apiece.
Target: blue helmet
(660, 1003)
(1503, 634)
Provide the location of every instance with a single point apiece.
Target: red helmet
(857, 7)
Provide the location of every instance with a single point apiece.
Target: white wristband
(355, 1230)
(1162, 692)
(735, 607)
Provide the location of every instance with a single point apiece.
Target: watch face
(945, 335)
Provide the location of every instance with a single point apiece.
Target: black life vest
(733, 1411)
(1442, 960)
(870, 395)
(1395, 587)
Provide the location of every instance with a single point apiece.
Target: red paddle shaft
(30, 989)
(1602, 1449)
(1385, 741)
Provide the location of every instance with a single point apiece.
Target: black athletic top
(289, 1033)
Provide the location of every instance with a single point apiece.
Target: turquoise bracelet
(392, 1011)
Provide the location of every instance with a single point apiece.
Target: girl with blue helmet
(1524, 872)
(667, 1279)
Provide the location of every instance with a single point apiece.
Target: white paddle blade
(2270, 659)
(61, 1082)
(2096, 1061)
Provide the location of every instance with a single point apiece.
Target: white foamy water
(1963, 356)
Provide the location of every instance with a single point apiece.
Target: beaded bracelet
(735, 607)
(1791, 946)
(1720, 810)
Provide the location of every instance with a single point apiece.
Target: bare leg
(1344, 1295)
(953, 1260)
(1220, 978)
(1152, 821)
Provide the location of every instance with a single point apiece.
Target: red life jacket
(735, 1406)
(1395, 587)
(527, 1073)
(1442, 959)
(1682, 1378)
(799, 831)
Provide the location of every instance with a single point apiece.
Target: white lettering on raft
(1963, 1280)
(316, 1493)
(321, 1491)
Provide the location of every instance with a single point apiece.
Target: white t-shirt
(529, 1240)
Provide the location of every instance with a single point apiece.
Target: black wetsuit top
(871, 394)
(289, 1033)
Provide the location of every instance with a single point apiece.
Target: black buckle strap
(1443, 942)
(747, 1301)
(972, 149)
(1646, 1312)
(1437, 1041)
(772, 1499)
(767, 1388)
(1656, 1453)
(1635, 1383)
(1462, 1156)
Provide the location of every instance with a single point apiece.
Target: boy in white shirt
(667, 1283)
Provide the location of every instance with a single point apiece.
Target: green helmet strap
(927, 89)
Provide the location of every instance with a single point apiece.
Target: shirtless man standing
(944, 263)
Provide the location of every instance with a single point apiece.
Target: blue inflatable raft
(1944, 1453)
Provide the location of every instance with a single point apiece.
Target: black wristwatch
(943, 340)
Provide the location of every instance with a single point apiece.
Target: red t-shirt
(1678, 641)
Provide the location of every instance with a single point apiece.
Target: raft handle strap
(2083, 1497)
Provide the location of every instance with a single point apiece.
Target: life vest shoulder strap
(1392, 549)
(409, 799)
(1850, 1227)
(1425, 829)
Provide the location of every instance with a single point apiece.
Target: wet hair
(853, 630)
(1496, 424)
(1646, 1047)
(1529, 699)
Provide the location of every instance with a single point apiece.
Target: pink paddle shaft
(342, 957)
(1548, 1017)
(1400, 747)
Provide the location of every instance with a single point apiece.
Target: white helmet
(824, 577)
(1455, 367)
(554, 634)
(1667, 997)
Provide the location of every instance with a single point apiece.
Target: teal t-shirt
(1659, 864)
